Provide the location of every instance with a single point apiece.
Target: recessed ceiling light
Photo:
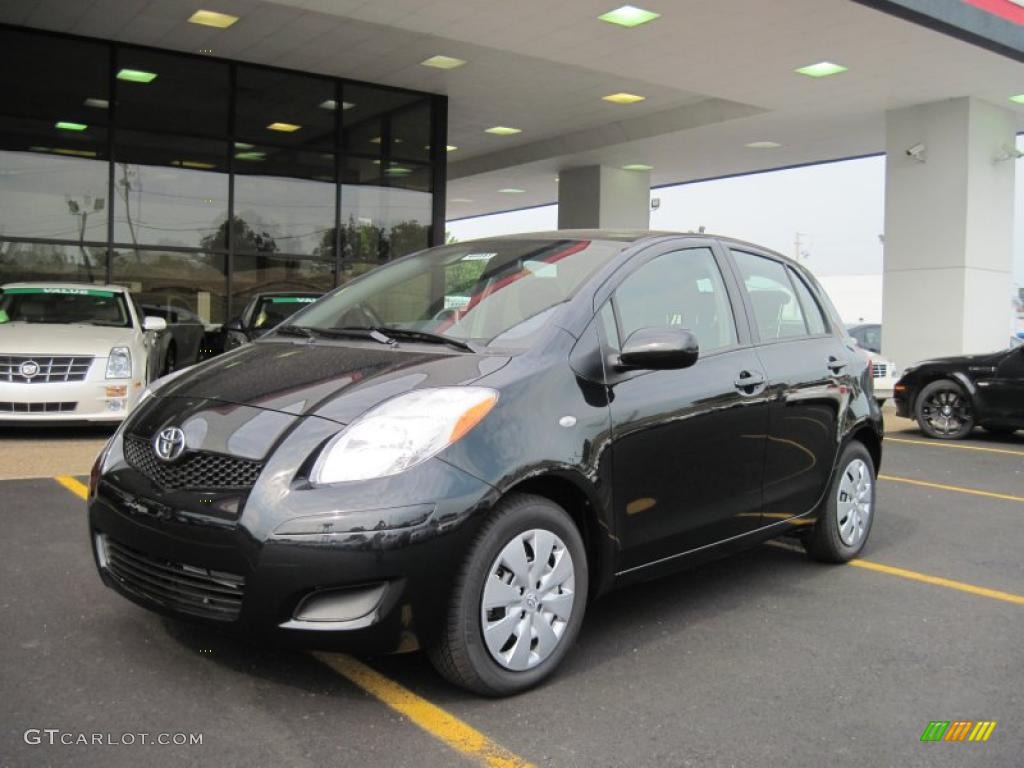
(623, 98)
(376, 140)
(637, 167)
(443, 62)
(398, 170)
(283, 127)
(193, 164)
(511, 191)
(67, 125)
(629, 16)
(242, 145)
(332, 104)
(460, 200)
(763, 145)
(1018, 99)
(503, 130)
(821, 69)
(97, 103)
(250, 155)
(75, 152)
(213, 19)
(136, 75)
(451, 147)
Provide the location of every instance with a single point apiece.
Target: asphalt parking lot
(762, 659)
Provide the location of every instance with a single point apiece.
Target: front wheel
(844, 520)
(518, 600)
(944, 411)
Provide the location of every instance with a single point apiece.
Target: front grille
(49, 369)
(184, 588)
(37, 407)
(879, 370)
(196, 470)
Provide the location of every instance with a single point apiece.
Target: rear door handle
(835, 364)
(749, 380)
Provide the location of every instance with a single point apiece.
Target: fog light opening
(340, 604)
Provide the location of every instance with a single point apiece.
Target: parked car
(605, 408)
(72, 352)
(950, 396)
(181, 344)
(263, 312)
(868, 336)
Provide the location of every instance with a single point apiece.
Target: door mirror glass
(150, 323)
(234, 324)
(664, 348)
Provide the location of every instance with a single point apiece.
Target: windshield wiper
(425, 336)
(348, 332)
(295, 330)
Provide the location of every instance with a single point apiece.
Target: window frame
(797, 279)
(605, 293)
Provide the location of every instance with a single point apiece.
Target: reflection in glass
(193, 282)
(258, 273)
(284, 108)
(282, 215)
(379, 224)
(168, 190)
(49, 262)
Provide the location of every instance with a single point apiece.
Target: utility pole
(799, 254)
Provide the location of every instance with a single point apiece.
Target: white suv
(73, 352)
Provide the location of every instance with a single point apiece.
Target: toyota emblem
(29, 369)
(169, 443)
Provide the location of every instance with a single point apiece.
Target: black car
(262, 312)
(472, 442)
(950, 396)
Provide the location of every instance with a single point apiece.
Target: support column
(600, 197)
(949, 191)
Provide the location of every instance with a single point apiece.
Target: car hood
(334, 381)
(956, 361)
(45, 339)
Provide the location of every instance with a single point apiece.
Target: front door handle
(749, 380)
(835, 364)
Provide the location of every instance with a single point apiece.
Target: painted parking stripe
(925, 578)
(941, 444)
(442, 725)
(75, 486)
(955, 488)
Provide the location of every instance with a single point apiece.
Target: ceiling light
(1018, 99)
(376, 140)
(136, 75)
(398, 170)
(97, 103)
(637, 167)
(332, 104)
(250, 155)
(821, 69)
(66, 125)
(193, 164)
(502, 130)
(451, 147)
(623, 98)
(75, 152)
(283, 127)
(242, 145)
(460, 200)
(443, 62)
(763, 145)
(511, 191)
(629, 16)
(213, 19)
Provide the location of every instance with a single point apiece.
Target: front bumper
(383, 584)
(96, 399)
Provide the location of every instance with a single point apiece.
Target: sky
(836, 210)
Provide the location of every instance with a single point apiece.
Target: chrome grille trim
(52, 369)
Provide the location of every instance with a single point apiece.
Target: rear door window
(812, 311)
(777, 311)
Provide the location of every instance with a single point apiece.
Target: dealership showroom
(537, 383)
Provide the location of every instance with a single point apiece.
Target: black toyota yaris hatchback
(470, 443)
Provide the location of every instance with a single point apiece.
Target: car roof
(287, 293)
(47, 284)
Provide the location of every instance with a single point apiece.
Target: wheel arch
(958, 377)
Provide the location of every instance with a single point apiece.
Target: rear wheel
(844, 520)
(518, 601)
(944, 410)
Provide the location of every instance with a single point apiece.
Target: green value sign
(292, 300)
(60, 291)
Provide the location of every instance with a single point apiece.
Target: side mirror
(150, 323)
(659, 349)
(234, 324)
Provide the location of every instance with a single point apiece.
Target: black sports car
(950, 396)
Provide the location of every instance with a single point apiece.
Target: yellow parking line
(80, 490)
(956, 488)
(942, 444)
(443, 726)
(924, 578)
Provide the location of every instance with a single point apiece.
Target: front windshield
(272, 310)
(64, 306)
(494, 292)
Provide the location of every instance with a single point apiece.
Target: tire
(461, 653)
(944, 411)
(843, 528)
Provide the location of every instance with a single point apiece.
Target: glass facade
(198, 182)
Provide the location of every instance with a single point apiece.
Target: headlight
(119, 363)
(402, 432)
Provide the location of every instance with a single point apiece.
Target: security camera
(916, 152)
(1007, 152)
